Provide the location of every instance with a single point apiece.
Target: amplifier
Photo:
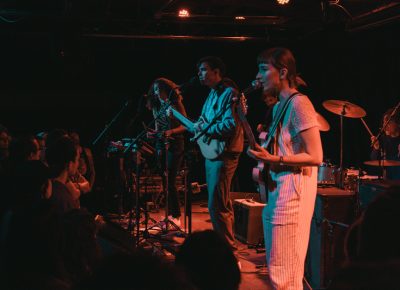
(245, 195)
(248, 221)
(334, 212)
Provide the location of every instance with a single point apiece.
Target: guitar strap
(278, 118)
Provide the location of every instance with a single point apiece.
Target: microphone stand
(102, 133)
(108, 126)
(133, 145)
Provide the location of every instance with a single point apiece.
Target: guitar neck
(246, 127)
(183, 120)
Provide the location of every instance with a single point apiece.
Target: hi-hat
(383, 163)
(323, 123)
(344, 108)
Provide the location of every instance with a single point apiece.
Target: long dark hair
(164, 85)
(280, 57)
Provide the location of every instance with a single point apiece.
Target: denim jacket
(228, 127)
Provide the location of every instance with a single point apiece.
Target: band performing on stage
(154, 176)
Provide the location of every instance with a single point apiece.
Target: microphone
(255, 85)
(191, 82)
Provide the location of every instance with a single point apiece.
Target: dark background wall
(64, 80)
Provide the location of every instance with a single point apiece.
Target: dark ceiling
(209, 19)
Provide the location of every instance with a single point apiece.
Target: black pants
(173, 163)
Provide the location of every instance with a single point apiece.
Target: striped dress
(291, 199)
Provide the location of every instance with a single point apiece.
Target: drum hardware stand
(341, 176)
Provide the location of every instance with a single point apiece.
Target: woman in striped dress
(295, 153)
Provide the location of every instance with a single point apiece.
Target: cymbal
(383, 163)
(323, 123)
(344, 108)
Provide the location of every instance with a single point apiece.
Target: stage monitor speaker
(334, 212)
(248, 221)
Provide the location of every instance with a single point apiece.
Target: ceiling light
(183, 13)
(282, 2)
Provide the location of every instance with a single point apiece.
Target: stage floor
(254, 274)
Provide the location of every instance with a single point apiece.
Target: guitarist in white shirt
(226, 128)
(296, 152)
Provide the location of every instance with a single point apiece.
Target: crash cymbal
(323, 123)
(383, 163)
(344, 108)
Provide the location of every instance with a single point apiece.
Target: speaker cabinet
(248, 221)
(334, 212)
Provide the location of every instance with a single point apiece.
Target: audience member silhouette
(33, 245)
(41, 137)
(28, 184)
(139, 271)
(377, 275)
(4, 150)
(62, 158)
(372, 247)
(86, 164)
(4, 142)
(209, 261)
(378, 240)
(81, 252)
(24, 148)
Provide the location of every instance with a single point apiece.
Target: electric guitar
(210, 148)
(259, 172)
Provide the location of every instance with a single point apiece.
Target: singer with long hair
(295, 153)
(163, 92)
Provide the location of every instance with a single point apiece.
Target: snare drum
(327, 174)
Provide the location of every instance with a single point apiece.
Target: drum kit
(330, 175)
